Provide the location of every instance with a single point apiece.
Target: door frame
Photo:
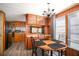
(4, 34)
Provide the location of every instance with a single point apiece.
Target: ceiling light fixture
(49, 12)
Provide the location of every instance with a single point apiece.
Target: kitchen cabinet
(14, 24)
(28, 43)
(19, 37)
(40, 20)
(36, 22)
(31, 19)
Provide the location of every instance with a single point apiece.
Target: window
(73, 40)
(38, 30)
(34, 30)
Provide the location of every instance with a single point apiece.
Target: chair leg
(34, 52)
(42, 52)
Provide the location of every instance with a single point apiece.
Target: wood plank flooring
(18, 49)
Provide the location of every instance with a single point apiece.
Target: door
(1, 34)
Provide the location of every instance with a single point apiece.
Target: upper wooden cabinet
(31, 19)
(19, 24)
(16, 24)
(35, 20)
(40, 20)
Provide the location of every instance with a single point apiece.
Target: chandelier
(49, 12)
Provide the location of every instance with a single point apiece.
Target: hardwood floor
(17, 49)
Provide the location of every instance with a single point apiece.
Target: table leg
(51, 53)
(61, 52)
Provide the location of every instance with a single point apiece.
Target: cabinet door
(1, 35)
(31, 19)
(40, 20)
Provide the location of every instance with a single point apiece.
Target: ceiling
(17, 11)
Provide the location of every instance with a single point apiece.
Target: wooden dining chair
(34, 48)
(62, 38)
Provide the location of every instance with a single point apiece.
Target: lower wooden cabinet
(28, 43)
(19, 37)
(71, 52)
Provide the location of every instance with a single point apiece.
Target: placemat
(39, 43)
(56, 45)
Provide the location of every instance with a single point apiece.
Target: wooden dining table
(51, 45)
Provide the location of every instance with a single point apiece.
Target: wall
(71, 28)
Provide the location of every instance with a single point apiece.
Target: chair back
(62, 37)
